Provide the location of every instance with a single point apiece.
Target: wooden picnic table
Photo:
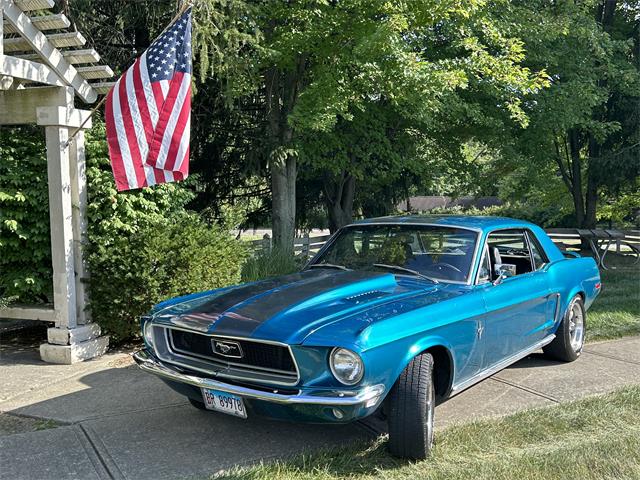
(600, 241)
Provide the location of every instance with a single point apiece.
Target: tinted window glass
(443, 253)
(536, 252)
(484, 274)
(510, 247)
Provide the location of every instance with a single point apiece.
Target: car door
(518, 307)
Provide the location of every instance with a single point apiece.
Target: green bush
(25, 245)
(270, 264)
(161, 260)
(144, 246)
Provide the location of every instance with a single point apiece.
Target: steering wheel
(441, 266)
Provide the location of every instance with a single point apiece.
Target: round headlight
(148, 333)
(346, 366)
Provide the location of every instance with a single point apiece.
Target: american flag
(148, 112)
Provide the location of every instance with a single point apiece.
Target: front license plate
(224, 402)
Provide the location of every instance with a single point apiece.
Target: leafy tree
(588, 122)
(323, 63)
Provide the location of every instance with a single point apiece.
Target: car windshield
(438, 252)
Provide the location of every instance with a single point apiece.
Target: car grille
(258, 355)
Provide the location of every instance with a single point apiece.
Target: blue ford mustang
(393, 315)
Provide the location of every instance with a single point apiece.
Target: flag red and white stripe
(148, 112)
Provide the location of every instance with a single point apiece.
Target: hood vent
(365, 296)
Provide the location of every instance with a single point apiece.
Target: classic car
(392, 316)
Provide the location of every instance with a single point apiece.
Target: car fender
(405, 351)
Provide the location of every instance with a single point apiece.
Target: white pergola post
(79, 206)
(73, 338)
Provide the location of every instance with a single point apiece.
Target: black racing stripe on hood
(242, 311)
(249, 315)
(222, 303)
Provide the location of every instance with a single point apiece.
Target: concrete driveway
(111, 421)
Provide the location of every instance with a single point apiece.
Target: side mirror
(503, 271)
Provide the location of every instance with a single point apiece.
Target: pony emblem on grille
(227, 348)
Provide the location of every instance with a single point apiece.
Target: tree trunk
(576, 174)
(591, 197)
(282, 90)
(339, 194)
(283, 209)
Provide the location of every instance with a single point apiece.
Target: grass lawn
(616, 311)
(591, 439)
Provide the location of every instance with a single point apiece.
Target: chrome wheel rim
(430, 409)
(576, 326)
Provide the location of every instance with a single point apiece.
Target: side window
(537, 254)
(484, 274)
(509, 247)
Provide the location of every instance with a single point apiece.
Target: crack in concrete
(526, 389)
(611, 357)
(99, 455)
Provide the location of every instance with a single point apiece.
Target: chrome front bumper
(336, 398)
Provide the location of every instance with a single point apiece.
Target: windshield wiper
(407, 270)
(328, 265)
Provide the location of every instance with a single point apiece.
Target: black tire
(411, 404)
(561, 347)
(199, 405)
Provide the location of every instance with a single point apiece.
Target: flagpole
(185, 7)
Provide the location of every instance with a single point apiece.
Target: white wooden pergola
(43, 67)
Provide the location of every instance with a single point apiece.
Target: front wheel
(411, 406)
(567, 346)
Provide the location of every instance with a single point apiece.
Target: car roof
(483, 223)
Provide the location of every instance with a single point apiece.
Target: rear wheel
(411, 406)
(567, 346)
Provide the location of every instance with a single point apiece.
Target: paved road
(119, 423)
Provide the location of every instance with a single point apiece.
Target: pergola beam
(57, 40)
(29, 5)
(29, 313)
(5, 81)
(74, 57)
(49, 53)
(63, 116)
(45, 22)
(28, 70)
(95, 71)
(19, 107)
(103, 88)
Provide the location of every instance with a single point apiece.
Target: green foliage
(25, 245)
(547, 217)
(112, 214)
(622, 209)
(270, 264)
(144, 246)
(160, 260)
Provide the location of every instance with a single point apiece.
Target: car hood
(290, 307)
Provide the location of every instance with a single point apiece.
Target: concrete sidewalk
(118, 423)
